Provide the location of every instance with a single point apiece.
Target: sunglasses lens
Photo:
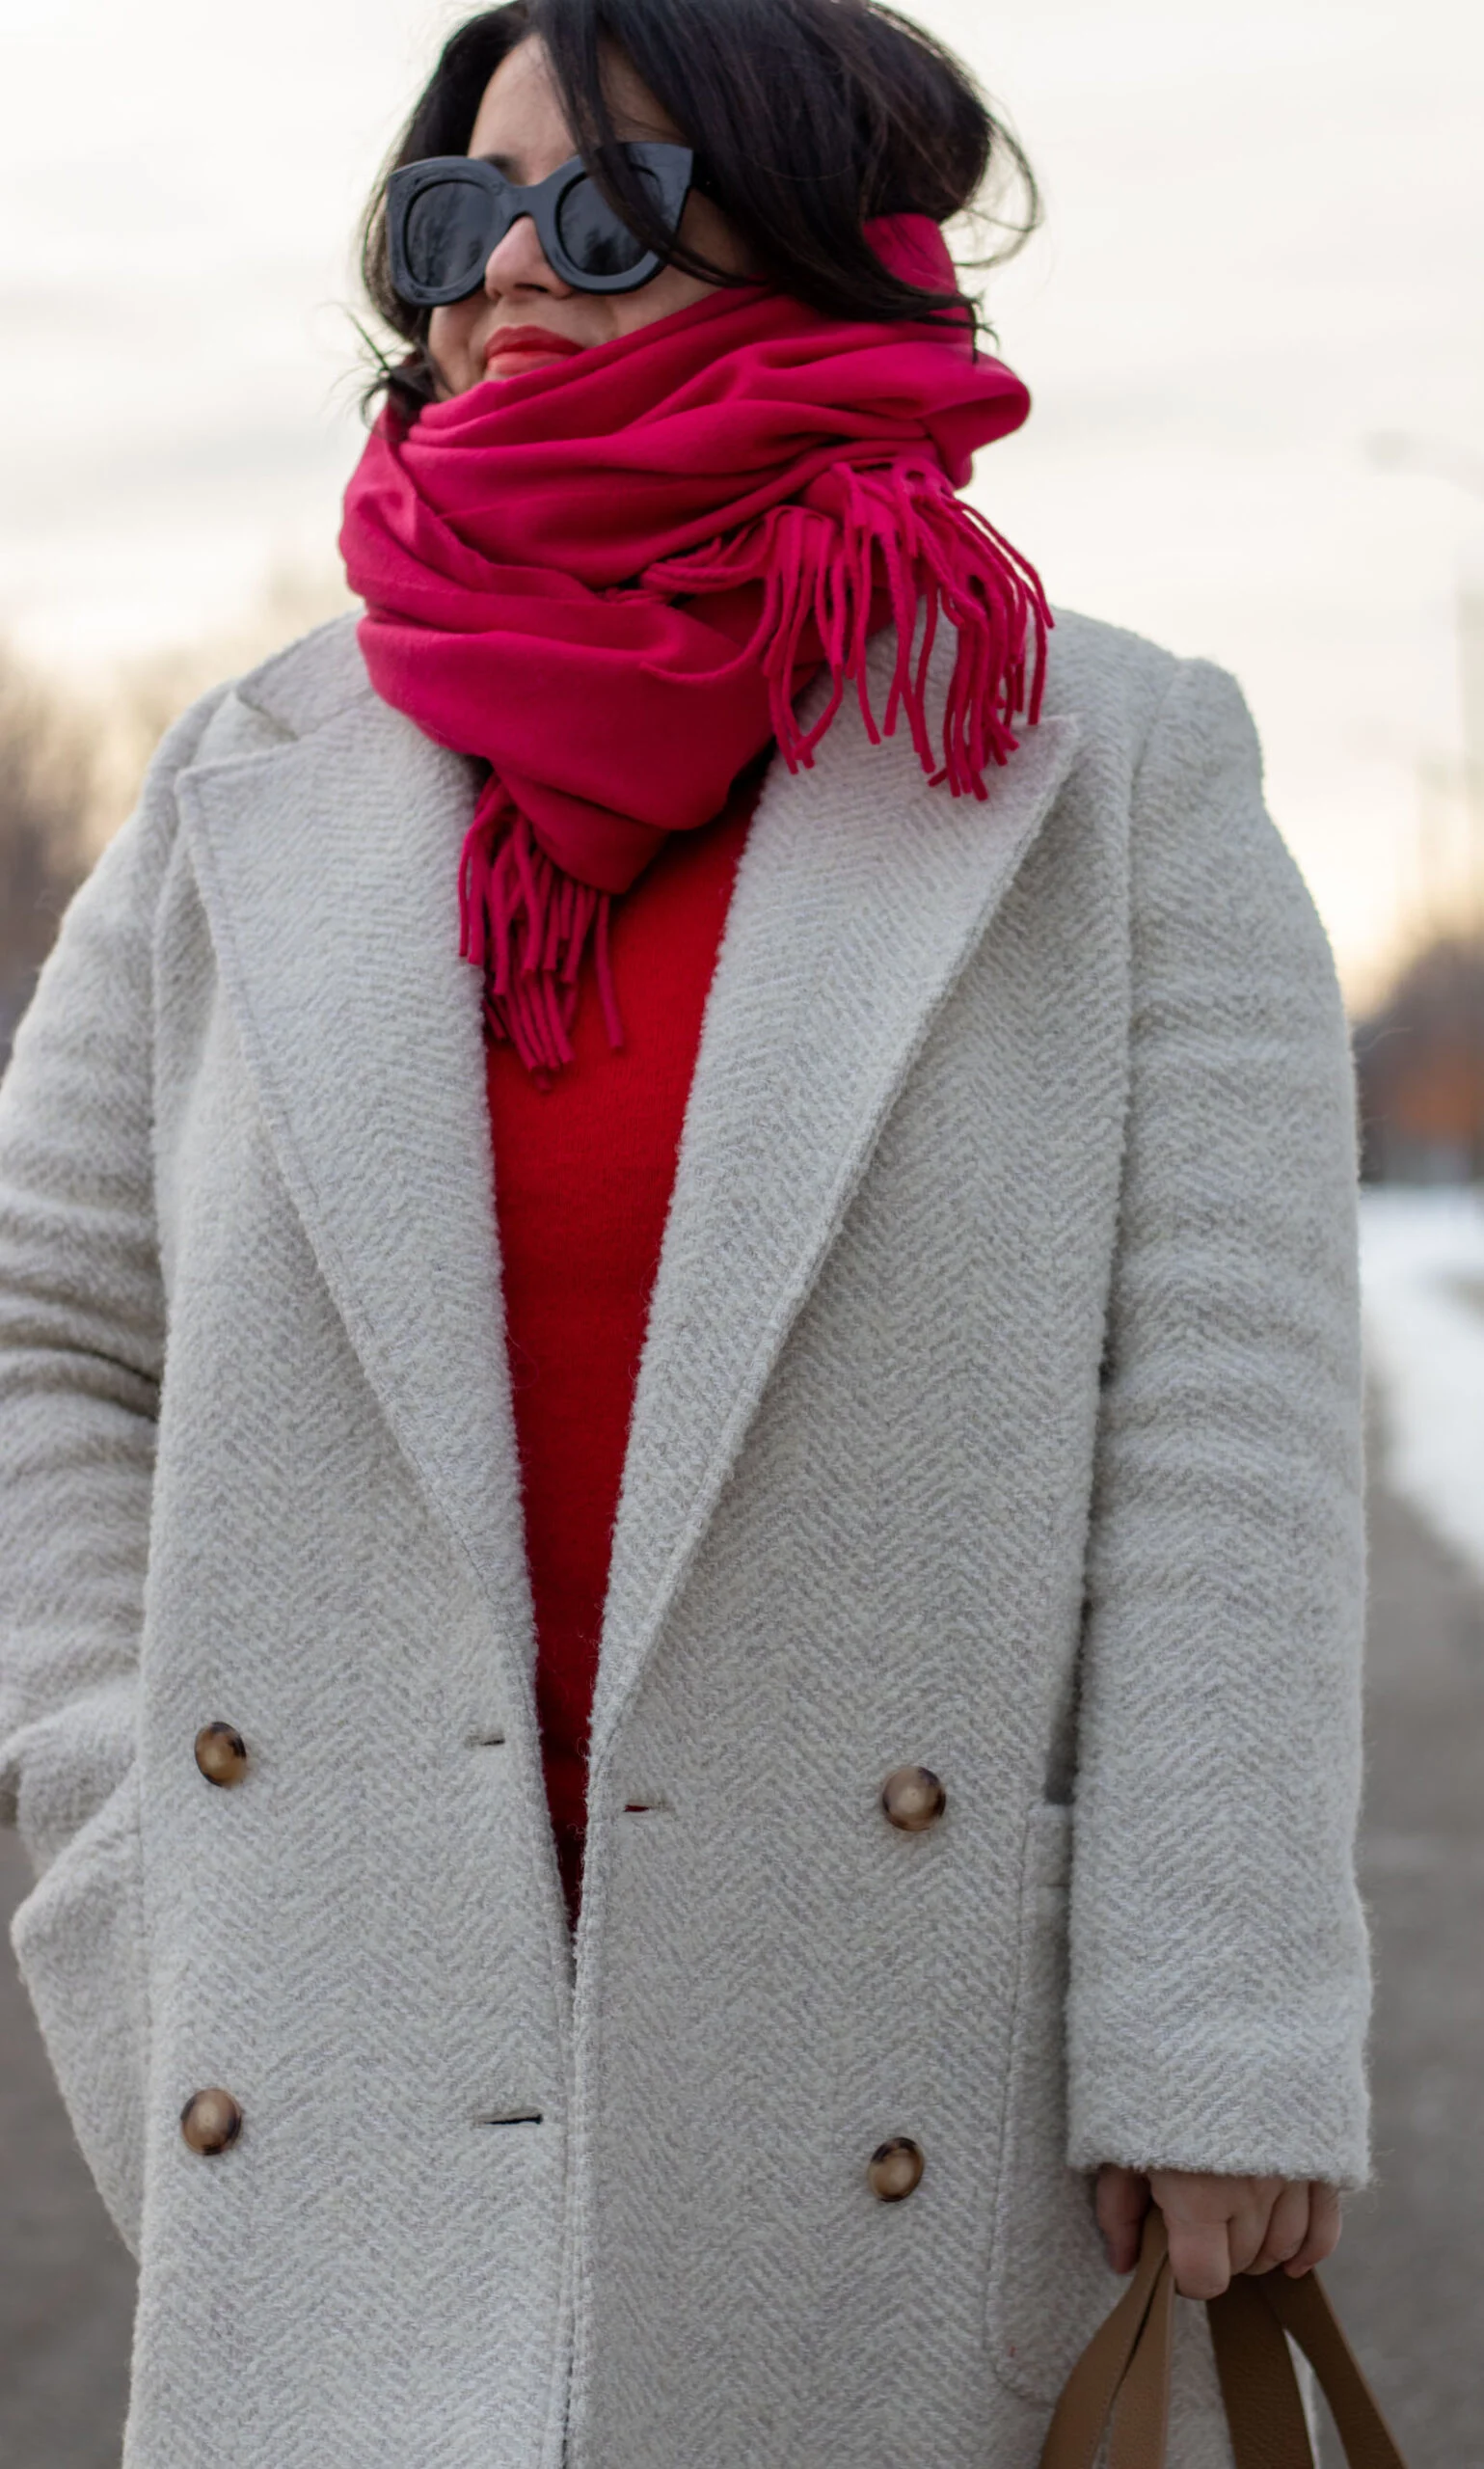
(594, 237)
(447, 235)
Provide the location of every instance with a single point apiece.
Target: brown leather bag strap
(1123, 2375)
(1261, 2389)
(1140, 2413)
(1081, 2417)
(1303, 2308)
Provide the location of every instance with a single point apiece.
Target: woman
(899, 1569)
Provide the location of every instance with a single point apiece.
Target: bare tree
(46, 794)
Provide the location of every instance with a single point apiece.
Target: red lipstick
(512, 350)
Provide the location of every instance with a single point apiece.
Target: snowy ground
(1422, 1272)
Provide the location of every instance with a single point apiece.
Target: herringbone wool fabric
(998, 1413)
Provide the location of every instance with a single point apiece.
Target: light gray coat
(998, 1413)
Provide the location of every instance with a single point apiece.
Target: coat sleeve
(1219, 1982)
(82, 1336)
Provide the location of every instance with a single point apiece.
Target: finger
(1288, 2227)
(1325, 2215)
(1200, 2257)
(1121, 2202)
(1251, 2212)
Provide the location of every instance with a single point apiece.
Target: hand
(1218, 2226)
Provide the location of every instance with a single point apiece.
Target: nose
(518, 263)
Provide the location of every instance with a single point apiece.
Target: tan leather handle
(1121, 2384)
(1093, 2387)
(1302, 2309)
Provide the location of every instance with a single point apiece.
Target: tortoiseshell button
(913, 1799)
(896, 2169)
(221, 1753)
(211, 2121)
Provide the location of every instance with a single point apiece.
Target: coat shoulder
(1171, 725)
(289, 694)
(311, 680)
(1112, 680)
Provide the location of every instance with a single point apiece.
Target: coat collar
(326, 864)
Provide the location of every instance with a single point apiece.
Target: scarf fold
(612, 578)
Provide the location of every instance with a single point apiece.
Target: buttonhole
(514, 2117)
(487, 1740)
(637, 1808)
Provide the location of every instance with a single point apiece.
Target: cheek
(671, 289)
(449, 331)
(704, 228)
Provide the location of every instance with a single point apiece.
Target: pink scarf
(611, 578)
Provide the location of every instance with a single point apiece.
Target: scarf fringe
(529, 926)
(898, 530)
(902, 529)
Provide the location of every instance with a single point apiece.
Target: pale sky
(1265, 245)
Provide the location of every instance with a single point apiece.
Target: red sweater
(582, 1180)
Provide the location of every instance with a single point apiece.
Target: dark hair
(807, 116)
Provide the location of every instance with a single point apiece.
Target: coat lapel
(862, 893)
(327, 865)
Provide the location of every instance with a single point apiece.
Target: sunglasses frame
(672, 169)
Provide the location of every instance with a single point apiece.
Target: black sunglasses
(443, 218)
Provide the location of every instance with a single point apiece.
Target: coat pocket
(79, 1941)
(1049, 2283)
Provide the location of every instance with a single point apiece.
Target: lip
(528, 344)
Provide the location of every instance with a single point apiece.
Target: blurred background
(1253, 328)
